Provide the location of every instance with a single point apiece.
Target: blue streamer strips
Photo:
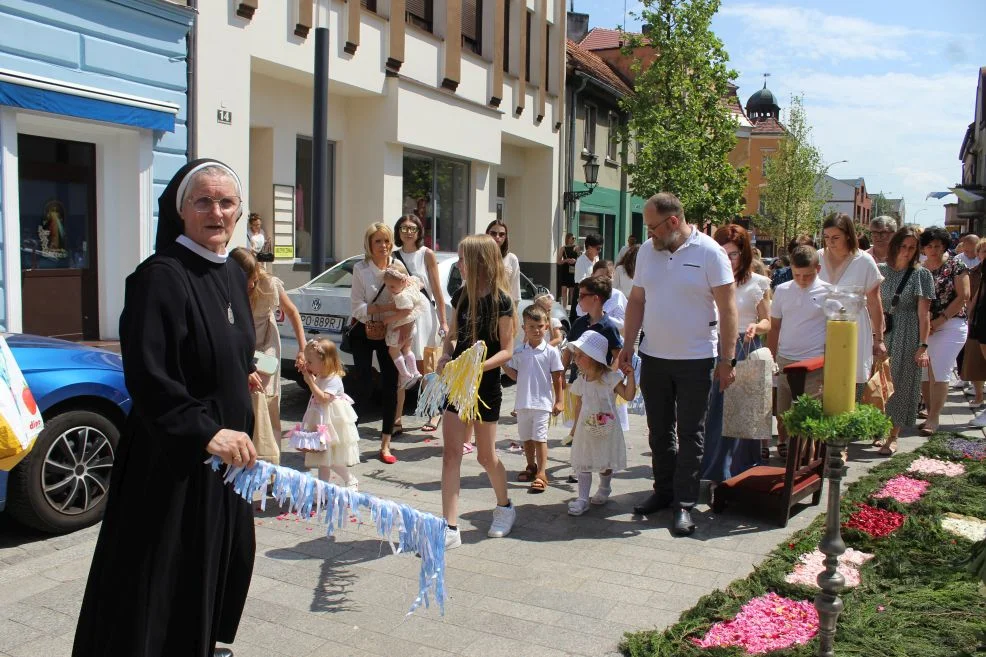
(417, 533)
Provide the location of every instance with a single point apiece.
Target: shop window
(369, 4)
(472, 25)
(421, 13)
(589, 129)
(437, 191)
(303, 199)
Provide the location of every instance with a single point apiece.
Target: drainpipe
(624, 229)
(190, 93)
(570, 174)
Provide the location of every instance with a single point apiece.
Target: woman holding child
(482, 310)
(907, 291)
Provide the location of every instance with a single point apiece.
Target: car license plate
(325, 322)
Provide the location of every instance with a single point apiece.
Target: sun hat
(592, 344)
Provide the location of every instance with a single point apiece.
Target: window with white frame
(589, 129)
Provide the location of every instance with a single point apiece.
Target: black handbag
(888, 317)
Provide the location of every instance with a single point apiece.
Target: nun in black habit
(175, 553)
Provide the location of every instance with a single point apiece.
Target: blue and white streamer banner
(417, 533)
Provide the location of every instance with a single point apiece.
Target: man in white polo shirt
(683, 297)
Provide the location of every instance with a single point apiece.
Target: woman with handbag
(948, 320)
(266, 294)
(420, 261)
(907, 291)
(725, 457)
(372, 308)
(973, 366)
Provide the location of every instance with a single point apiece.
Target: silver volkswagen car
(324, 304)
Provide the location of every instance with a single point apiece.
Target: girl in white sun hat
(599, 445)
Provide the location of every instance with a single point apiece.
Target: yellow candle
(839, 376)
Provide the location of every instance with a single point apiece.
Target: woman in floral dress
(911, 324)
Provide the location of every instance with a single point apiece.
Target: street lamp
(591, 171)
(918, 214)
(828, 166)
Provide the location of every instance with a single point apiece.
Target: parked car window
(340, 276)
(527, 289)
(454, 280)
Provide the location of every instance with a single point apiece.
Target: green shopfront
(600, 212)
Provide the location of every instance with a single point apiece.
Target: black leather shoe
(652, 505)
(222, 652)
(683, 525)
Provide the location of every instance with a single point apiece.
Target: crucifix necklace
(229, 298)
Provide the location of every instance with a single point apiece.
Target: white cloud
(812, 34)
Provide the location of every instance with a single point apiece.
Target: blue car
(61, 485)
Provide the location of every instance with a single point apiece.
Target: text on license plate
(327, 322)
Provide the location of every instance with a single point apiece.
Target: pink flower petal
(765, 624)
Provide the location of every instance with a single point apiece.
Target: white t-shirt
(512, 265)
(802, 316)
(966, 260)
(680, 317)
(534, 367)
(861, 271)
(622, 280)
(748, 296)
(583, 267)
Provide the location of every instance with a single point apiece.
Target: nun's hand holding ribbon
(233, 447)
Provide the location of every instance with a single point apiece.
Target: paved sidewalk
(556, 586)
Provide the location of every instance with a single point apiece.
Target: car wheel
(61, 486)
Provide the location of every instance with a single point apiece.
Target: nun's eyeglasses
(227, 205)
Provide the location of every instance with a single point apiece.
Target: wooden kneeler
(773, 490)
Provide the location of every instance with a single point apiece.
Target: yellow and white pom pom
(568, 416)
(462, 377)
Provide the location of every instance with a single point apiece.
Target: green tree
(795, 189)
(682, 129)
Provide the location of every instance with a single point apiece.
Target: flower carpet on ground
(909, 528)
(967, 527)
(765, 624)
(806, 573)
(924, 465)
(903, 489)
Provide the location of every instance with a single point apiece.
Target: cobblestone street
(556, 586)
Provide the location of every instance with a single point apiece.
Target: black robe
(175, 553)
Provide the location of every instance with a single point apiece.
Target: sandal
(430, 426)
(397, 429)
(467, 448)
(888, 449)
(540, 484)
(926, 431)
(923, 414)
(528, 474)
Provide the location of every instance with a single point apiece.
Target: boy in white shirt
(537, 368)
(797, 328)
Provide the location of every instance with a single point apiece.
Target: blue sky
(888, 86)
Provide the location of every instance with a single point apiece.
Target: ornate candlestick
(838, 396)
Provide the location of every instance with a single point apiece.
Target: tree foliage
(682, 129)
(795, 189)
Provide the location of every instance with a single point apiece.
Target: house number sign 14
(224, 116)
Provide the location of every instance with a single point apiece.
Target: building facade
(593, 126)
(92, 126)
(450, 109)
(848, 196)
(971, 209)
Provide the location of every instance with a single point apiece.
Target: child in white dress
(598, 445)
(327, 434)
(406, 293)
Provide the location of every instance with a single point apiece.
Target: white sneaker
(413, 379)
(601, 496)
(567, 440)
(453, 539)
(957, 384)
(578, 506)
(503, 521)
(979, 420)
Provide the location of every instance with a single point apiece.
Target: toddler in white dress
(327, 434)
(598, 444)
(405, 290)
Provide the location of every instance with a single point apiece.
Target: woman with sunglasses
(498, 231)
(420, 261)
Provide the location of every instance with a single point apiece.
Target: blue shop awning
(55, 97)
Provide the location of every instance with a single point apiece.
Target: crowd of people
(198, 335)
